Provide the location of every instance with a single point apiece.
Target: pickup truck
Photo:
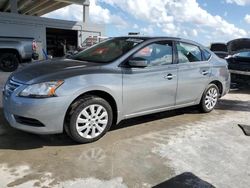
(15, 50)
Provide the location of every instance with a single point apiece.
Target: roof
(143, 37)
(38, 7)
(239, 39)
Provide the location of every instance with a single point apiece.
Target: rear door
(193, 73)
(153, 87)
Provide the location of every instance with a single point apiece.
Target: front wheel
(209, 98)
(90, 120)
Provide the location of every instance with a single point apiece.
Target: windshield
(243, 54)
(109, 50)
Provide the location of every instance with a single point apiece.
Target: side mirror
(136, 62)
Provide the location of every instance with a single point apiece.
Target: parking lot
(162, 150)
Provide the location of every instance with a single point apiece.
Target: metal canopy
(37, 7)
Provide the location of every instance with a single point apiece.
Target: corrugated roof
(38, 7)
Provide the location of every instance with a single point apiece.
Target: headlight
(41, 90)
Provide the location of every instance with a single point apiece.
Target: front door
(153, 87)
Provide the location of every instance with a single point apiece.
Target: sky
(204, 21)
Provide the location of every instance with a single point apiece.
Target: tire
(89, 120)
(209, 98)
(8, 62)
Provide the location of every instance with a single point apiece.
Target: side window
(188, 53)
(160, 53)
(206, 55)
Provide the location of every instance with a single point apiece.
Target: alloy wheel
(211, 98)
(92, 121)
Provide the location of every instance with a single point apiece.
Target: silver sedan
(120, 78)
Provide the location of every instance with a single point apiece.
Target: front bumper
(245, 73)
(50, 112)
(242, 77)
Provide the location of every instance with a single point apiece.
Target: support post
(13, 6)
(86, 11)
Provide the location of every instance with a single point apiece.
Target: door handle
(205, 72)
(169, 77)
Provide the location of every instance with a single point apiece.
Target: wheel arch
(219, 85)
(12, 50)
(99, 93)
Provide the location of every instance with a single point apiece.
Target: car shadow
(185, 180)
(233, 105)
(14, 139)
(153, 117)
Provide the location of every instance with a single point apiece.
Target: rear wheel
(209, 98)
(8, 62)
(90, 120)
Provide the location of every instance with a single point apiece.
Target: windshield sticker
(134, 40)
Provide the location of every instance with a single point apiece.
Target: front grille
(28, 121)
(11, 86)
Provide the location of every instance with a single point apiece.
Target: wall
(16, 25)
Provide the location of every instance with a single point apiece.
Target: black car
(239, 60)
(220, 49)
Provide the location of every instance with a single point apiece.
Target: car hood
(53, 70)
(238, 45)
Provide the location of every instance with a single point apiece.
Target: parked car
(119, 78)
(16, 50)
(239, 60)
(220, 49)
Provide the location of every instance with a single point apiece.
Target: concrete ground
(162, 150)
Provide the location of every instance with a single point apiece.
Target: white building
(21, 18)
